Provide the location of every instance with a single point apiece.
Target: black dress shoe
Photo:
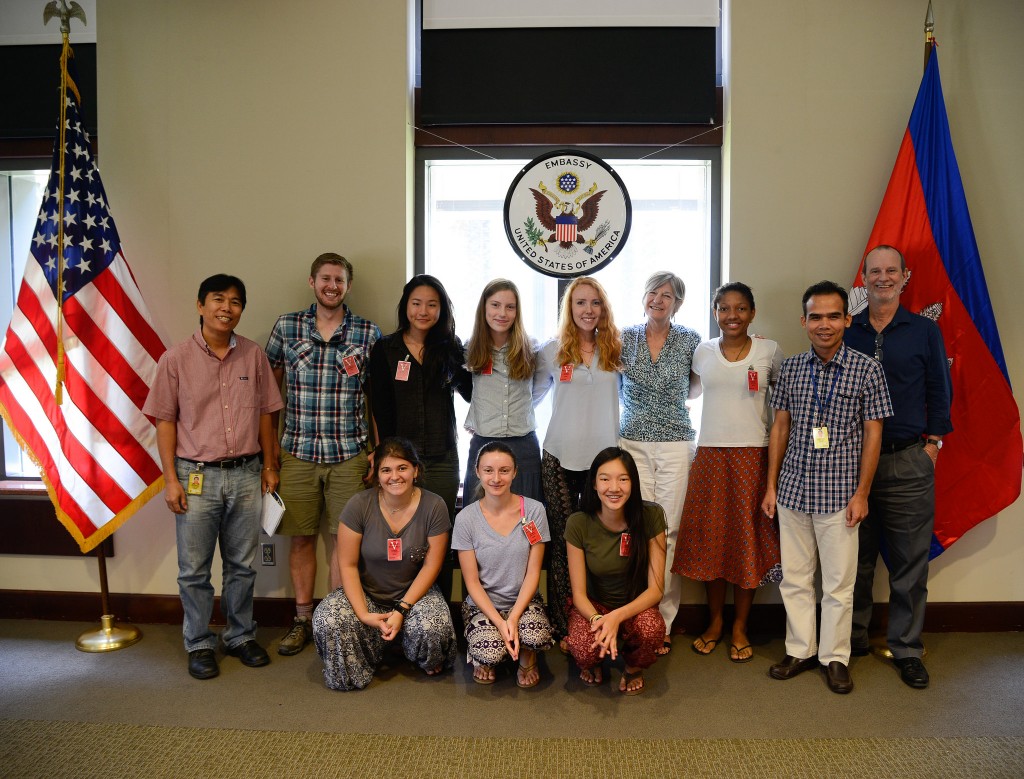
(202, 664)
(791, 666)
(250, 653)
(860, 651)
(838, 676)
(912, 672)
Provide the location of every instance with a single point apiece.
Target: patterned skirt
(724, 534)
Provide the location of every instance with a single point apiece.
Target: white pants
(664, 468)
(804, 538)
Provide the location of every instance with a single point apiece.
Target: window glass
(464, 244)
(21, 193)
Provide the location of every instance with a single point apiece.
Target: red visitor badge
(624, 544)
(349, 363)
(488, 369)
(394, 550)
(532, 534)
(402, 373)
(567, 370)
(752, 380)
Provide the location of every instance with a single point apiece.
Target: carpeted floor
(136, 712)
(58, 749)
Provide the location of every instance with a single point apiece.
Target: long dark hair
(443, 354)
(639, 559)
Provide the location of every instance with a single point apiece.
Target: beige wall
(819, 97)
(247, 138)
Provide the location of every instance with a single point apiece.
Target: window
(21, 192)
(675, 227)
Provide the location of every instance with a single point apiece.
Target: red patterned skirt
(723, 533)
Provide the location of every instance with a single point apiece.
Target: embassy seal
(567, 213)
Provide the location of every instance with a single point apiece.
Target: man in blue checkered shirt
(322, 355)
(829, 405)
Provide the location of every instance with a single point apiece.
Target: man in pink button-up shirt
(212, 399)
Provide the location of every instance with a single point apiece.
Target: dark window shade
(592, 75)
(30, 89)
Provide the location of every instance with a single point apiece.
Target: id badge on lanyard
(529, 528)
(819, 433)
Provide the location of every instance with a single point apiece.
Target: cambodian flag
(924, 213)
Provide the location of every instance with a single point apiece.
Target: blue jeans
(228, 511)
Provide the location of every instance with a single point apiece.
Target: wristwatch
(936, 442)
(402, 607)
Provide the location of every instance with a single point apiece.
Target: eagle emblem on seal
(566, 221)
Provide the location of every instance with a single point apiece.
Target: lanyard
(821, 407)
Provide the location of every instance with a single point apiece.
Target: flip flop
(525, 669)
(482, 681)
(737, 650)
(713, 643)
(666, 648)
(596, 677)
(628, 677)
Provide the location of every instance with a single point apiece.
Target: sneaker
(296, 639)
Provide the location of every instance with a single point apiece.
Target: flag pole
(109, 636)
(929, 34)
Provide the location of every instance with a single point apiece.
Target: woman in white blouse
(583, 364)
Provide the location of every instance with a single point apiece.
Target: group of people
(621, 505)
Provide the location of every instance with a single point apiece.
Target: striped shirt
(502, 407)
(215, 404)
(325, 419)
(850, 389)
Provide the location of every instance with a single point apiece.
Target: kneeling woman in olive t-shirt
(616, 551)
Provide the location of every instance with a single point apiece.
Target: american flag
(96, 451)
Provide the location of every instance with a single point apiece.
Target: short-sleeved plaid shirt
(851, 389)
(325, 411)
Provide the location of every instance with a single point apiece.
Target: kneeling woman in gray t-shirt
(391, 542)
(500, 540)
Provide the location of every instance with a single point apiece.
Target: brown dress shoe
(791, 666)
(838, 676)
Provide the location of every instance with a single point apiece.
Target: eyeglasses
(879, 340)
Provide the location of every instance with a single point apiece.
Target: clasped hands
(605, 630)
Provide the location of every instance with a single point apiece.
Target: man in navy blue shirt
(901, 504)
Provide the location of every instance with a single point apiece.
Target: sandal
(524, 671)
(632, 676)
(482, 679)
(734, 653)
(596, 676)
(666, 647)
(702, 647)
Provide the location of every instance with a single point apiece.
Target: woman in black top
(414, 373)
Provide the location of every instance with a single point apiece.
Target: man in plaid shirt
(322, 355)
(829, 405)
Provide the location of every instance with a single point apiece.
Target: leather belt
(889, 447)
(237, 462)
